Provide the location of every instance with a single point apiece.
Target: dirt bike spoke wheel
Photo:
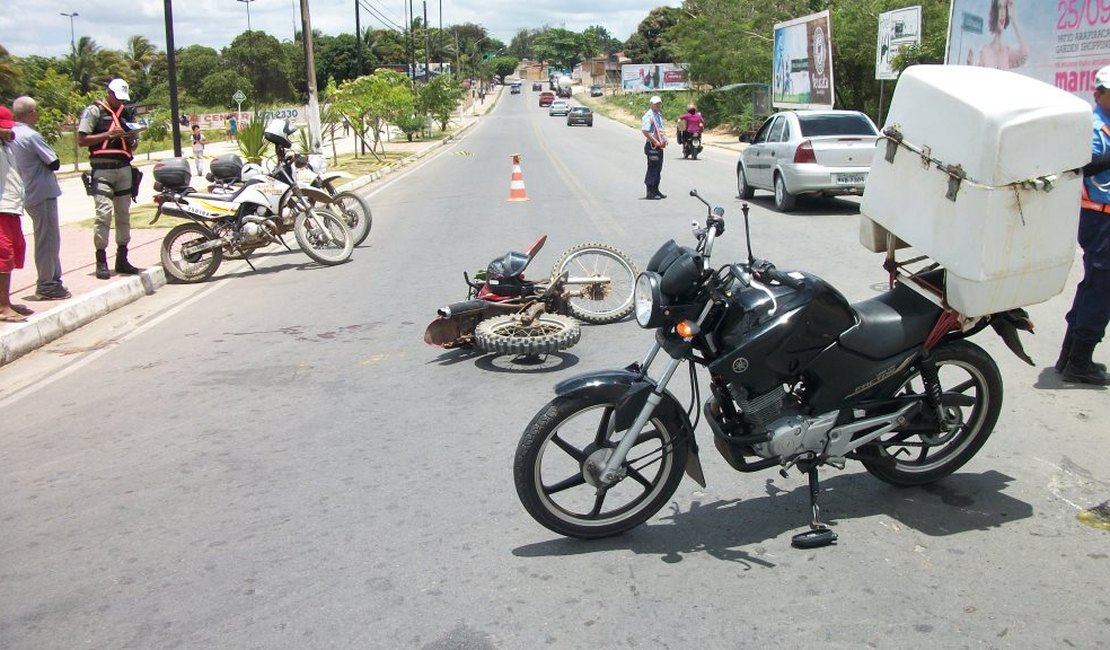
(323, 236)
(509, 334)
(355, 212)
(927, 450)
(560, 456)
(600, 302)
(184, 266)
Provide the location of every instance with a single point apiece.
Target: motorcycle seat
(230, 196)
(890, 323)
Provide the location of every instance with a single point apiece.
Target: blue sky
(37, 26)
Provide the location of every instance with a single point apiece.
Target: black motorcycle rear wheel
(924, 452)
(509, 334)
(554, 484)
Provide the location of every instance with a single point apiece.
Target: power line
(377, 14)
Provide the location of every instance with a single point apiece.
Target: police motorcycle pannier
(173, 173)
(227, 167)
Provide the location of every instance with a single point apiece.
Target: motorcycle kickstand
(818, 534)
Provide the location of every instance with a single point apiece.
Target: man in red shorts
(12, 246)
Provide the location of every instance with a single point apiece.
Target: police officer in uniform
(104, 130)
(1090, 310)
(655, 135)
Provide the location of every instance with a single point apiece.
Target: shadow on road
(808, 207)
(725, 529)
(553, 362)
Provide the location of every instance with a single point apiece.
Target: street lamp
(72, 41)
(250, 49)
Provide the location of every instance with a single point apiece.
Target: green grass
(141, 214)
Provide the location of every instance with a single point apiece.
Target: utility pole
(427, 61)
(171, 70)
(310, 74)
(358, 42)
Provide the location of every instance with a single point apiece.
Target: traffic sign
(238, 97)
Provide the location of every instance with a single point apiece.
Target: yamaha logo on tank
(740, 365)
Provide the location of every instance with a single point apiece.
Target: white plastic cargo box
(1005, 232)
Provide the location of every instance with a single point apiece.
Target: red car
(546, 98)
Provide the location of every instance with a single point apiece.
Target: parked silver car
(817, 153)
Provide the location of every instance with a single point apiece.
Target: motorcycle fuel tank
(766, 343)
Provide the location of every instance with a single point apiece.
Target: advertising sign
(1062, 43)
(897, 29)
(652, 77)
(803, 74)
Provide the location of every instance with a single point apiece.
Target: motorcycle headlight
(648, 299)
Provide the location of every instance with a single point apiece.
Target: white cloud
(36, 26)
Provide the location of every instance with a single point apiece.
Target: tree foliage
(440, 97)
(649, 43)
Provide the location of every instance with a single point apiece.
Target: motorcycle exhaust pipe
(460, 308)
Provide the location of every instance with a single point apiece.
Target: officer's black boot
(650, 193)
(658, 194)
(102, 265)
(122, 265)
(1081, 369)
(1065, 352)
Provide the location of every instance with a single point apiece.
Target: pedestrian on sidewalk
(655, 132)
(233, 127)
(37, 164)
(105, 130)
(12, 246)
(198, 141)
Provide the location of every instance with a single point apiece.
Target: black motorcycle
(798, 377)
(691, 145)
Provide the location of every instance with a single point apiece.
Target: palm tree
(10, 74)
(84, 64)
(140, 54)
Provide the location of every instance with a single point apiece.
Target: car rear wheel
(745, 191)
(784, 200)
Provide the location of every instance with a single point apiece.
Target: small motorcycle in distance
(798, 378)
(691, 146)
(505, 313)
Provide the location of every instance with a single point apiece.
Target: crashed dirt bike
(505, 313)
(798, 378)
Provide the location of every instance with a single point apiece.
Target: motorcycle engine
(777, 414)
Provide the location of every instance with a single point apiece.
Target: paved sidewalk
(94, 298)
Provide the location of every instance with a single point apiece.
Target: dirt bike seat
(208, 196)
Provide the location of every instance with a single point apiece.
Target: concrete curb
(82, 310)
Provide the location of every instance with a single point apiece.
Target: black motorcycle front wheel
(558, 456)
(926, 451)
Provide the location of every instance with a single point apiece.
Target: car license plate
(851, 179)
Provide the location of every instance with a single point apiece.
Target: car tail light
(804, 153)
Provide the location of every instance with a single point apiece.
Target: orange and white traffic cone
(516, 187)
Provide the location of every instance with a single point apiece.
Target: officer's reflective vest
(107, 121)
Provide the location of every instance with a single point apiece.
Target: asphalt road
(275, 459)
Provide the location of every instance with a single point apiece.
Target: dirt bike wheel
(323, 237)
(554, 486)
(972, 398)
(356, 214)
(598, 303)
(506, 334)
(188, 268)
